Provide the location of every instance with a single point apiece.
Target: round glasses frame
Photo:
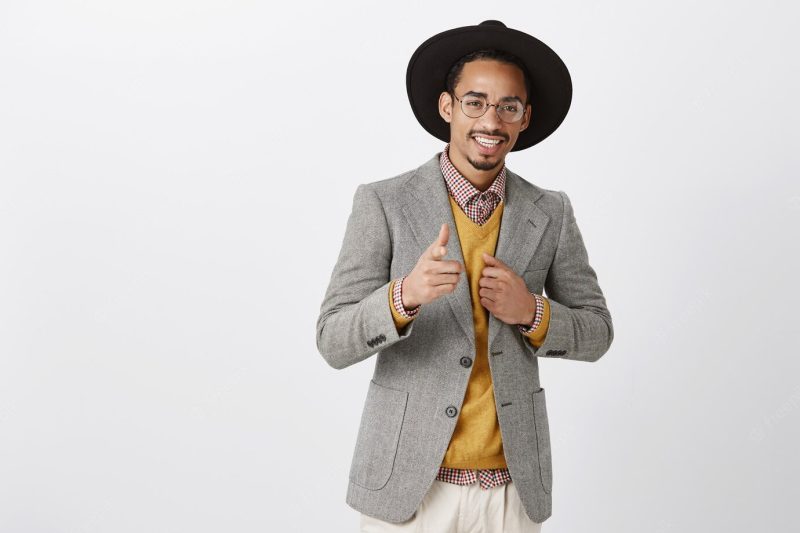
(486, 106)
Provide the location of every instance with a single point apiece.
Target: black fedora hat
(427, 70)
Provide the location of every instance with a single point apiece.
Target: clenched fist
(432, 276)
(504, 293)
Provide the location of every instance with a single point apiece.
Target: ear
(526, 119)
(446, 106)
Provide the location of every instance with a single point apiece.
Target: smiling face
(499, 82)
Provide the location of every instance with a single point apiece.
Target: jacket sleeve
(580, 326)
(355, 321)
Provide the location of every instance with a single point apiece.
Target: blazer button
(466, 362)
(451, 411)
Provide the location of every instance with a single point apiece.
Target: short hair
(454, 75)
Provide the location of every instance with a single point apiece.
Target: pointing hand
(432, 276)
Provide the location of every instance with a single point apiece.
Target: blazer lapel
(426, 210)
(521, 229)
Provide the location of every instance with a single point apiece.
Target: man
(441, 274)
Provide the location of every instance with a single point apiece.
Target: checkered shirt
(477, 205)
(487, 478)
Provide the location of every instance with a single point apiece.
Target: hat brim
(427, 70)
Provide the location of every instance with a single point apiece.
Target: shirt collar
(461, 189)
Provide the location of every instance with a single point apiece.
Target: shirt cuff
(400, 313)
(538, 316)
(537, 336)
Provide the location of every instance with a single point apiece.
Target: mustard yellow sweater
(476, 441)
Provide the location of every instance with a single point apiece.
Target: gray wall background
(175, 179)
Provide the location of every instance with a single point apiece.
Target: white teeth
(487, 142)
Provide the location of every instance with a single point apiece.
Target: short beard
(486, 165)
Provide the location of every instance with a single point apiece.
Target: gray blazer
(418, 385)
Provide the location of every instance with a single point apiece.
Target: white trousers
(451, 508)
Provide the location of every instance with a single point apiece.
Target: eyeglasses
(476, 106)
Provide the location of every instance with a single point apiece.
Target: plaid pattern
(477, 205)
(537, 316)
(487, 478)
(397, 300)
